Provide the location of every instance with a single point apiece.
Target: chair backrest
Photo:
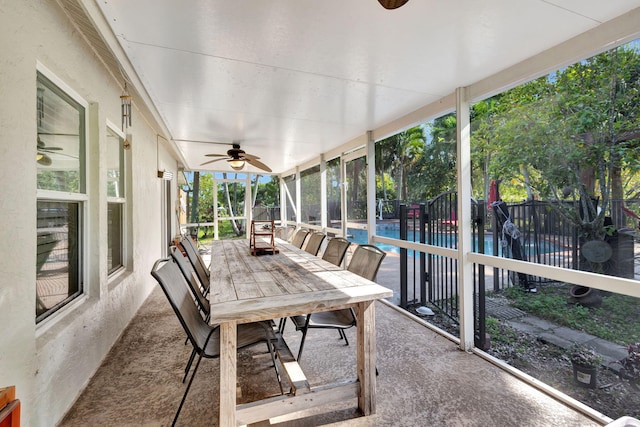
(366, 261)
(335, 250)
(314, 242)
(194, 250)
(285, 233)
(196, 261)
(173, 283)
(192, 280)
(299, 238)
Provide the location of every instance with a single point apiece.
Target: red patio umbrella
(494, 194)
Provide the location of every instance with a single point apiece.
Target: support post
(465, 243)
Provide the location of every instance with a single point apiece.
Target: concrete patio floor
(425, 380)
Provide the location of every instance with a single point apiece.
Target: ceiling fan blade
(258, 164)
(58, 134)
(392, 4)
(211, 161)
(42, 146)
(55, 153)
(215, 155)
(250, 156)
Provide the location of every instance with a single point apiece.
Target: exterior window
(60, 162)
(310, 195)
(115, 200)
(290, 183)
(333, 193)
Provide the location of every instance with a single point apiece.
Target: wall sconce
(236, 164)
(165, 175)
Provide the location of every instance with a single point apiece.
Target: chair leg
(283, 322)
(186, 369)
(275, 367)
(184, 396)
(304, 335)
(344, 335)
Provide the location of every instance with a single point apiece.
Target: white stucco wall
(50, 363)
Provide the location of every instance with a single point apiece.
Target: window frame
(121, 201)
(48, 78)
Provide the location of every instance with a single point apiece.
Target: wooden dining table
(246, 288)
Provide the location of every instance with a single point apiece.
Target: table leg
(228, 366)
(366, 355)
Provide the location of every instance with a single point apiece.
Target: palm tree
(385, 158)
(404, 146)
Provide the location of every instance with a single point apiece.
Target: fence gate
(435, 277)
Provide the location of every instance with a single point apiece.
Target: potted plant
(631, 366)
(585, 363)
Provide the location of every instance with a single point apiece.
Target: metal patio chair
(365, 262)
(299, 238)
(336, 250)
(314, 242)
(198, 264)
(199, 299)
(193, 281)
(205, 338)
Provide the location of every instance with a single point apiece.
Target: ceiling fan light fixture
(236, 164)
(43, 159)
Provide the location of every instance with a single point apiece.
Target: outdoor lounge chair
(314, 242)
(205, 338)
(365, 262)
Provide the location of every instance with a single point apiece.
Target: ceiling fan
(236, 157)
(392, 4)
(42, 157)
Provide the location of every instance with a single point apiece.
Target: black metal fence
(531, 231)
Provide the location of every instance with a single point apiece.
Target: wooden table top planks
(246, 288)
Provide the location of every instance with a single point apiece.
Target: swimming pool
(448, 240)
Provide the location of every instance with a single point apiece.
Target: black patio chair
(314, 242)
(199, 299)
(198, 264)
(365, 262)
(193, 281)
(205, 338)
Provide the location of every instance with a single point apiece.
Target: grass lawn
(616, 319)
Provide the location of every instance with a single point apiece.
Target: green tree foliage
(230, 199)
(433, 169)
(573, 134)
(269, 192)
(398, 153)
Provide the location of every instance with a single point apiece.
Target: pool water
(447, 240)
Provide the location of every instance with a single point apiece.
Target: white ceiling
(291, 79)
